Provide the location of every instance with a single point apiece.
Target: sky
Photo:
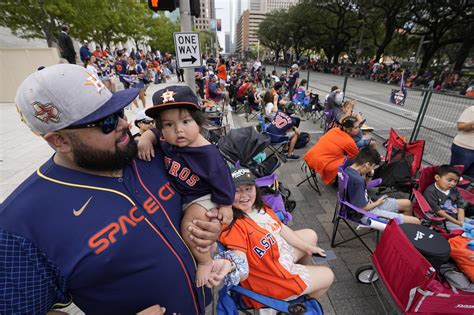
(223, 13)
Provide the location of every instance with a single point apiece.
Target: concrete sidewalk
(22, 152)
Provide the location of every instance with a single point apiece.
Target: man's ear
(59, 141)
(437, 177)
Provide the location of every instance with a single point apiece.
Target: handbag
(228, 305)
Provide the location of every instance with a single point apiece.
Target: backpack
(303, 140)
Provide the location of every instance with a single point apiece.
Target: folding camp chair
(230, 302)
(277, 142)
(422, 209)
(310, 177)
(401, 164)
(329, 120)
(346, 212)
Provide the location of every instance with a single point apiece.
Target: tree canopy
(102, 21)
(374, 28)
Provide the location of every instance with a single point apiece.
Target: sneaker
(292, 157)
(364, 127)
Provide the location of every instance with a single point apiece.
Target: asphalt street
(439, 124)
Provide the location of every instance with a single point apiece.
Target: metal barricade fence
(437, 124)
(426, 114)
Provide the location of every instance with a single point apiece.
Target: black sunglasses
(107, 124)
(147, 122)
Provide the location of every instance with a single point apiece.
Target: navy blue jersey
(198, 171)
(280, 124)
(110, 244)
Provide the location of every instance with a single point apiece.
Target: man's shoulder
(354, 176)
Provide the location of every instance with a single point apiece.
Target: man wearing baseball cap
(93, 225)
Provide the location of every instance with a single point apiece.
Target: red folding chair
(422, 209)
(399, 150)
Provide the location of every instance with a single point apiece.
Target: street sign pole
(185, 16)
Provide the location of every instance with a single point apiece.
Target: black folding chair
(310, 177)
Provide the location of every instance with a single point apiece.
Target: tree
(382, 19)
(35, 18)
(436, 21)
(337, 25)
(272, 32)
(160, 31)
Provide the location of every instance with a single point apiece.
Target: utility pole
(185, 16)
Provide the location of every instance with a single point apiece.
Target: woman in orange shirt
(279, 259)
(222, 73)
(332, 148)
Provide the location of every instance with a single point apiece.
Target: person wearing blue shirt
(360, 173)
(93, 225)
(84, 51)
(284, 126)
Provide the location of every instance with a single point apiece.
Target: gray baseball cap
(66, 95)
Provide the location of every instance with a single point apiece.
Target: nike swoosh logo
(79, 212)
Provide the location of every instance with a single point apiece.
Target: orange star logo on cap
(168, 96)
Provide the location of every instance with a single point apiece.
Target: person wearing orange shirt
(222, 73)
(332, 148)
(279, 259)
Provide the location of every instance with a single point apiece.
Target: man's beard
(101, 160)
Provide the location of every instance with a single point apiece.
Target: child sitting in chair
(444, 199)
(360, 173)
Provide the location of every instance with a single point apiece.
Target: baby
(195, 167)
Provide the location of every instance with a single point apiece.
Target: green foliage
(103, 21)
(160, 31)
(35, 18)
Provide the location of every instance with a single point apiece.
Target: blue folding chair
(277, 142)
(230, 302)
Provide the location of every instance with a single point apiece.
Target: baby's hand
(226, 213)
(145, 149)
(145, 145)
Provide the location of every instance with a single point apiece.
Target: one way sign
(187, 48)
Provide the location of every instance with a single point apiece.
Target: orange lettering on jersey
(150, 206)
(122, 219)
(103, 243)
(165, 192)
(167, 162)
(175, 166)
(192, 180)
(131, 214)
(183, 175)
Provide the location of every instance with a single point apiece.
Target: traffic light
(195, 7)
(163, 5)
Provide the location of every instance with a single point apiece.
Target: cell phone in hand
(330, 255)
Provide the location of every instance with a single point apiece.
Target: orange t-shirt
(329, 152)
(266, 275)
(222, 72)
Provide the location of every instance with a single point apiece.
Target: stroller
(401, 165)
(243, 145)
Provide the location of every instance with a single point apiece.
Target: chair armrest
(425, 206)
(359, 210)
(374, 183)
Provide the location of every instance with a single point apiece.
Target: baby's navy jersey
(111, 245)
(199, 171)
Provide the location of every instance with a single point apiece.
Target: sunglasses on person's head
(147, 122)
(107, 124)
